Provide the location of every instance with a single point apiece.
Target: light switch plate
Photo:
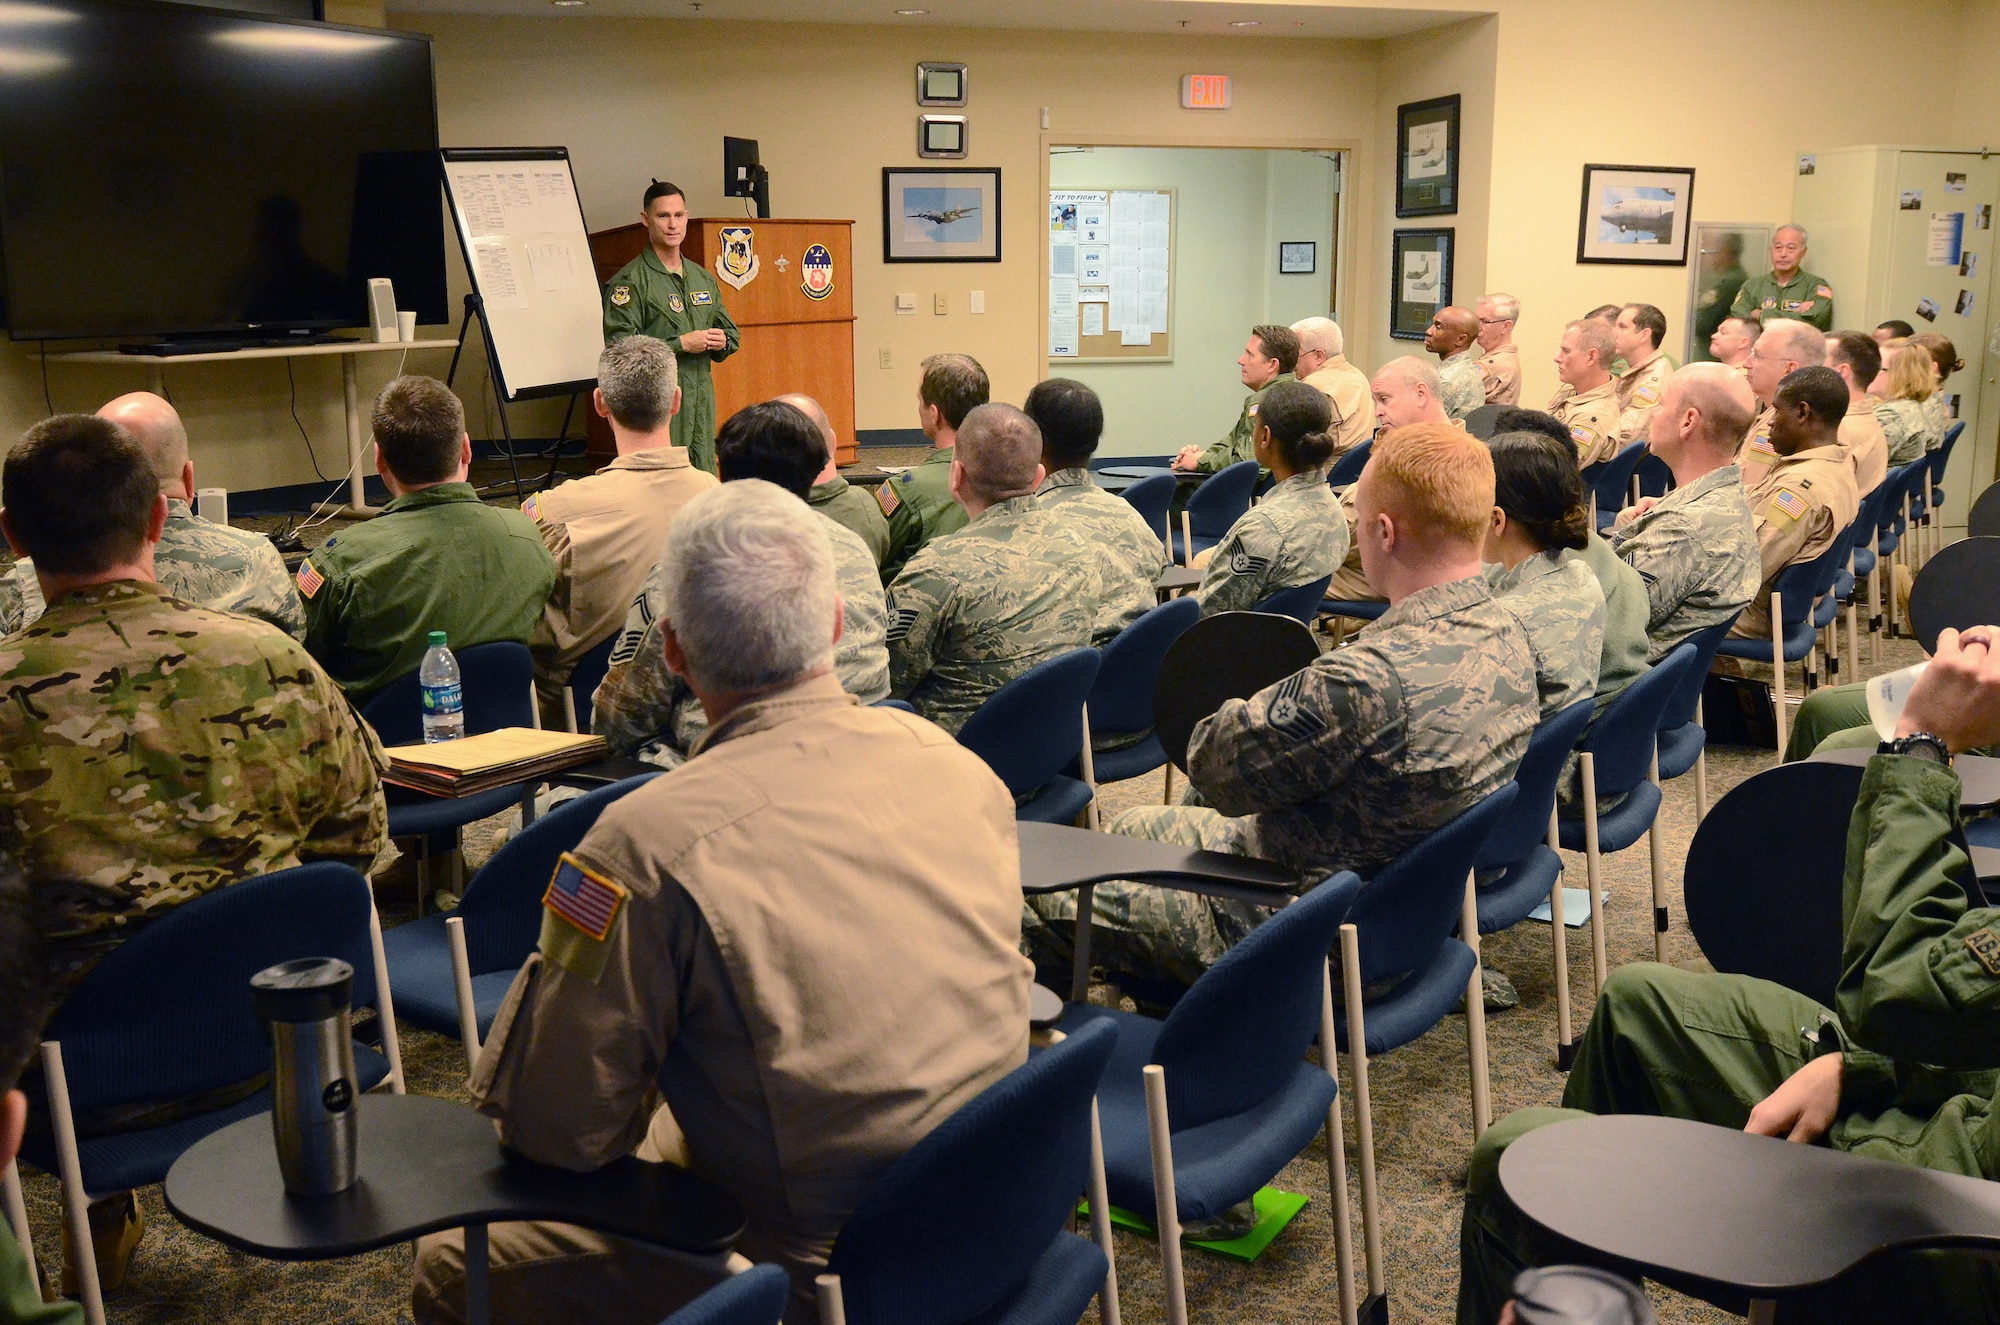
(906, 303)
(940, 304)
(979, 301)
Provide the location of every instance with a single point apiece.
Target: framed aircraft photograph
(1419, 280)
(940, 214)
(1635, 215)
(1427, 157)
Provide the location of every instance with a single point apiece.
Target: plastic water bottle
(444, 700)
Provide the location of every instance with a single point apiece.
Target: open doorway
(1161, 259)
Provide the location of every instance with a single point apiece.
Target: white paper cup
(1888, 694)
(406, 327)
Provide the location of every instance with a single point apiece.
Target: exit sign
(1205, 92)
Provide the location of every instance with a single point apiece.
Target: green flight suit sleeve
(1234, 446)
(622, 320)
(728, 325)
(325, 613)
(1746, 300)
(906, 531)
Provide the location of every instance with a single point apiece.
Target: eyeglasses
(1489, 321)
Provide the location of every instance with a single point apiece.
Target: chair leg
(832, 1311)
(461, 979)
(1079, 966)
(1089, 774)
(1854, 635)
(1364, 1121)
(1475, 1016)
(1559, 942)
(1100, 1222)
(1656, 850)
(1875, 613)
(569, 709)
(17, 1216)
(385, 1003)
(1336, 1153)
(1700, 773)
(1591, 864)
(69, 1166)
(1167, 796)
(1763, 1310)
(1778, 666)
(1165, 1202)
(1187, 539)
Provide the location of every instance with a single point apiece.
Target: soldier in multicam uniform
(917, 503)
(1696, 547)
(198, 561)
(1296, 534)
(1453, 336)
(642, 709)
(1808, 497)
(152, 750)
(1132, 556)
(1534, 568)
(1354, 760)
(1015, 587)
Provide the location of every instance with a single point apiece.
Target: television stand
(178, 346)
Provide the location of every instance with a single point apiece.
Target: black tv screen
(166, 169)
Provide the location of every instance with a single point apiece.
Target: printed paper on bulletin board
(1111, 275)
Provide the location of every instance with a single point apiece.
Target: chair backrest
(1679, 711)
(1482, 421)
(167, 1014)
(1300, 602)
(1802, 583)
(502, 906)
(498, 680)
(1238, 1034)
(1220, 502)
(1941, 457)
(1763, 876)
(1122, 698)
(1348, 468)
(1622, 741)
(1406, 912)
(1231, 655)
(755, 1297)
(1526, 824)
(1984, 521)
(1958, 587)
(1894, 488)
(1614, 477)
(588, 674)
(1151, 497)
(1655, 479)
(1032, 727)
(954, 1226)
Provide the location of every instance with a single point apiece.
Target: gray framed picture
(1635, 215)
(1427, 157)
(940, 214)
(1297, 257)
(1419, 280)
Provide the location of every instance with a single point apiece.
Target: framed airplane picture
(940, 214)
(1427, 157)
(1419, 279)
(1635, 215)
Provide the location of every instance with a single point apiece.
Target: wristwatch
(1923, 745)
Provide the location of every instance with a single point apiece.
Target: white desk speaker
(382, 309)
(212, 504)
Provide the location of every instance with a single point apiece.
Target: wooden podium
(792, 340)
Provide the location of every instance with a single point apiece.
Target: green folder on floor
(1274, 1208)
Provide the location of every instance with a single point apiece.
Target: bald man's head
(1704, 412)
(811, 408)
(1000, 452)
(158, 428)
(1451, 330)
(1406, 391)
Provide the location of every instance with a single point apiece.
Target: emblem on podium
(817, 269)
(739, 258)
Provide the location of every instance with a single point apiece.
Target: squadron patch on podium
(816, 268)
(739, 258)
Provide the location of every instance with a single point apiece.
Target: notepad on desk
(491, 759)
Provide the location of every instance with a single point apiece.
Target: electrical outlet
(940, 304)
(979, 301)
(884, 359)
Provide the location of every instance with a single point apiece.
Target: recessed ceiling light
(912, 13)
(1246, 23)
(569, 4)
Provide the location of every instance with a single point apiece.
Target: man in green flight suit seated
(918, 503)
(1268, 358)
(1901, 1068)
(660, 293)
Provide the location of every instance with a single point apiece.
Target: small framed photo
(1635, 215)
(941, 136)
(940, 84)
(1420, 277)
(1427, 157)
(1297, 257)
(940, 214)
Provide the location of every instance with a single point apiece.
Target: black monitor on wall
(173, 170)
(742, 174)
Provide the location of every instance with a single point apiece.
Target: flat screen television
(169, 170)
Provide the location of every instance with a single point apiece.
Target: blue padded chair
(1360, 609)
(1840, 593)
(1984, 519)
(1031, 729)
(1121, 701)
(972, 1223)
(1933, 482)
(1215, 505)
(755, 1297)
(1611, 482)
(167, 1015)
(903, 705)
(499, 684)
(1683, 741)
(1889, 529)
(1618, 758)
(502, 914)
(1226, 1078)
(1861, 563)
(1151, 498)
(1300, 602)
(1655, 479)
(1793, 636)
(1348, 468)
(584, 679)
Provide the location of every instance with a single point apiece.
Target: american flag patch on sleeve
(1790, 503)
(532, 508)
(309, 579)
(584, 898)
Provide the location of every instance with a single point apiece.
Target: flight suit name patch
(702, 297)
(1984, 945)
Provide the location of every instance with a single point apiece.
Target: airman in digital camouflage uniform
(1297, 533)
(1900, 1068)
(1133, 556)
(1907, 390)
(197, 560)
(1352, 761)
(1268, 357)
(1696, 547)
(917, 503)
(665, 294)
(1453, 336)
(1015, 587)
(1535, 566)
(642, 709)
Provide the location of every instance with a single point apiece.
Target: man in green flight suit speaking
(663, 294)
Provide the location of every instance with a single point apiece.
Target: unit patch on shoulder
(1984, 945)
(886, 498)
(309, 579)
(621, 295)
(674, 302)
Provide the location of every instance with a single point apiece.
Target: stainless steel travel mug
(307, 1003)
